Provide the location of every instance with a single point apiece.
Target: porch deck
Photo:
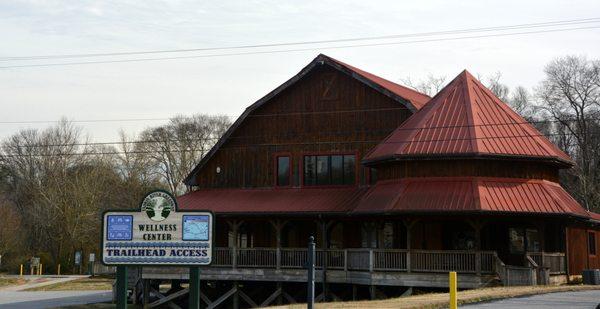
(387, 267)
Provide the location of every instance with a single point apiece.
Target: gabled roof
(470, 194)
(417, 99)
(411, 99)
(466, 119)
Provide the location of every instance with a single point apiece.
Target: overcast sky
(226, 85)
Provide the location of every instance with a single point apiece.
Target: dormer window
(322, 170)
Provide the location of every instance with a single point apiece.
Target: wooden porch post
(278, 226)
(234, 227)
(408, 223)
(325, 225)
(541, 226)
(477, 225)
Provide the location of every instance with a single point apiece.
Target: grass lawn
(440, 300)
(78, 285)
(10, 281)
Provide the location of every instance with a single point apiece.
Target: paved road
(583, 299)
(51, 299)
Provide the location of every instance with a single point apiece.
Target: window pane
(310, 176)
(517, 240)
(337, 170)
(373, 176)
(592, 243)
(533, 240)
(349, 169)
(283, 171)
(323, 170)
(387, 235)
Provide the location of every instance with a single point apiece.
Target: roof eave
(395, 158)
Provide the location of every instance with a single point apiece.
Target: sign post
(121, 289)
(194, 302)
(157, 235)
(78, 260)
(91, 261)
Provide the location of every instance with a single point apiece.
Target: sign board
(92, 257)
(77, 257)
(35, 261)
(157, 234)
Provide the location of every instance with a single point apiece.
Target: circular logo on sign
(158, 205)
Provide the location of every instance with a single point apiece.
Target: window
(372, 176)
(533, 240)
(592, 243)
(283, 171)
(329, 170)
(517, 240)
(368, 235)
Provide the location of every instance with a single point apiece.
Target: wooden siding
(579, 257)
(325, 112)
(460, 168)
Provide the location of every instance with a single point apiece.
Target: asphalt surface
(582, 299)
(51, 299)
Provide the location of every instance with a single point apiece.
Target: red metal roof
(248, 201)
(469, 194)
(466, 118)
(594, 216)
(427, 194)
(418, 99)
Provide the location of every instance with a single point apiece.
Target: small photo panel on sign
(119, 227)
(196, 227)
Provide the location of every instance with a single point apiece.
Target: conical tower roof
(465, 119)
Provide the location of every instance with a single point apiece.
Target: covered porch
(406, 243)
(409, 251)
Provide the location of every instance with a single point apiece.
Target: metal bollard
(453, 296)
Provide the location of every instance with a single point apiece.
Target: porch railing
(515, 275)
(554, 261)
(359, 259)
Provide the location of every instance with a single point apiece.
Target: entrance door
(520, 241)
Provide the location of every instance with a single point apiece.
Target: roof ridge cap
(525, 126)
(473, 129)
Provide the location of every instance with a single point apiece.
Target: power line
(295, 50)
(430, 128)
(383, 37)
(296, 144)
(176, 117)
(298, 113)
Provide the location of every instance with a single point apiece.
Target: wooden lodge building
(398, 189)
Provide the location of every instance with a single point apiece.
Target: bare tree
(61, 184)
(501, 90)
(175, 148)
(570, 94)
(429, 86)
